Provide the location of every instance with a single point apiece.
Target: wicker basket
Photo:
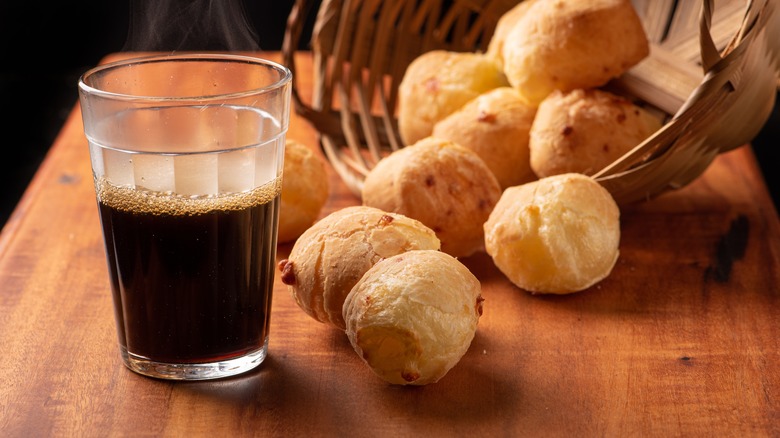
(712, 72)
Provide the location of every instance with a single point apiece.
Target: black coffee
(192, 279)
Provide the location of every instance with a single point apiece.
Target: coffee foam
(168, 203)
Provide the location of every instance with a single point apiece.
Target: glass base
(194, 371)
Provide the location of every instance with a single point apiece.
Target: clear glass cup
(187, 154)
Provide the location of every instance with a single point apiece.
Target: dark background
(46, 46)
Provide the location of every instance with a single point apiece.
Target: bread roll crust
(557, 235)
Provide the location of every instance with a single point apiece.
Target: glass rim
(284, 79)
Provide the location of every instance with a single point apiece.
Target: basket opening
(361, 53)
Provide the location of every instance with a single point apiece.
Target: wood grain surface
(682, 339)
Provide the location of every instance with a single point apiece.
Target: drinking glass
(187, 154)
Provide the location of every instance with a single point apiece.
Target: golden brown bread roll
(413, 316)
(496, 126)
(444, 185)
(558, 235)
(304, 190)
(438, 83)
(570, 44)
(331, 256)
(585, 130)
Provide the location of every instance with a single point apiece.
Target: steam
(189, 25)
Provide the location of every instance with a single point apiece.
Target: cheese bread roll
(438, 83)
(444, 185)
(413, 316)
(557, 235)
(305, 190)
(585, 130)
(570, 44)
(331, 256)
(496, 125)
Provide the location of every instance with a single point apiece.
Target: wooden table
(682, 339)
